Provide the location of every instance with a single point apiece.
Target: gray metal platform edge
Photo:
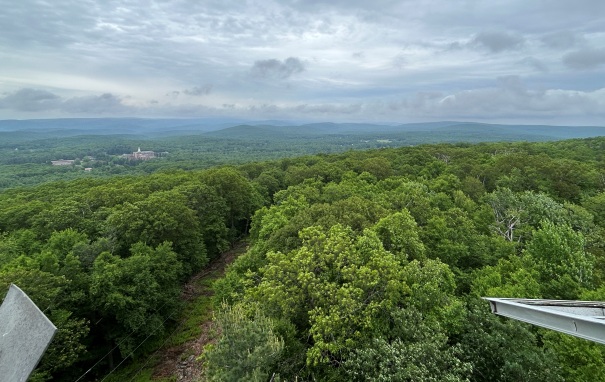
(584, 319)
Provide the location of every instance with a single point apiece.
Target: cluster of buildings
(63, 162)
(136, 155)
(140, 155)
(67, 162)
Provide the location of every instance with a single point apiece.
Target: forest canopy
(364, 265)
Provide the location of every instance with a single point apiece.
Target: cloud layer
(276, 69)
(315, 60)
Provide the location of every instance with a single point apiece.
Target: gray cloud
(328, 109)
(508, 97)
(276, 69)
(585, 59)
(29, 100)
(563, 39)
(512, 97)
(343, 5)
(399, 61)
(512, 84)
(497, 42)
(44, 24)
(394, 58)
(534, 63)
(35, 100)
(199, 90)
(104, 104)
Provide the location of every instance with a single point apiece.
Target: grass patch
(196, 313)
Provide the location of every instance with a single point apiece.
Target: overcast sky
(515, 61)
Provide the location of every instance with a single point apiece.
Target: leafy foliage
(379, 273)
(363, 264)
(248, 348)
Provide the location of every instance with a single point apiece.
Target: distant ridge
(449, 131)
(554, 132)
(445, 131)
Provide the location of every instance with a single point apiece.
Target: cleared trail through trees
(181, 361)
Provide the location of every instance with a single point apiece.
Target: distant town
(135, 156)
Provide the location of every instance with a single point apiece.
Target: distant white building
(62, 162)
(141, 155)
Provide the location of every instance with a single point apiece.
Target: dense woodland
(27, 163)
(27, 147)
(362, 266)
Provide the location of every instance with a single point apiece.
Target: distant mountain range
(445, 131)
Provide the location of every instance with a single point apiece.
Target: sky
(500, 61)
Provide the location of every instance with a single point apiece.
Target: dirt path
(181, 361)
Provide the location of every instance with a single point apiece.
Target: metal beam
(584, 319)
(25, 333)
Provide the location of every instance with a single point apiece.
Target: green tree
(399, 235)
(211, 210)
(335, 286)
(248, 348)
(67, 347)
(417, 351)
(17, 243)
(241, 197)
(516, 215)
(564, 267)
(596, 205)
(514, 277)
(135, 295)
(163, 216)
(580, 360)
(501, 349)
(340, 287)
(64, 214)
